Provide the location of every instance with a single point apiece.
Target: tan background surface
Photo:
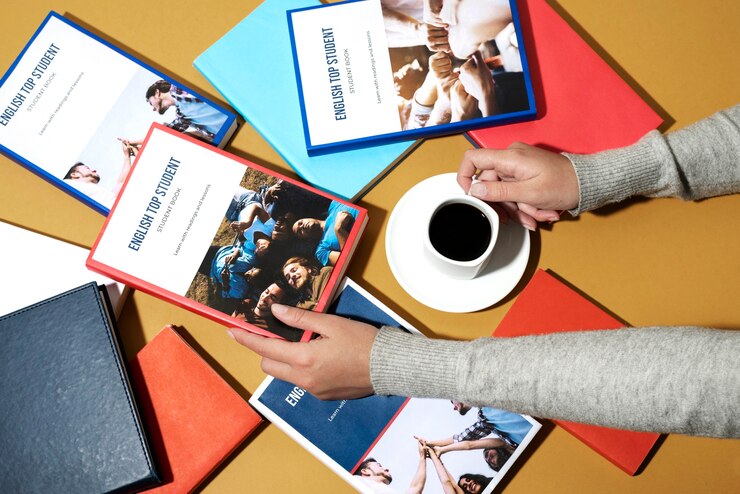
(650, 262)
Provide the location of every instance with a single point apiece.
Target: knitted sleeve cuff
(617, 174)
(404, 364)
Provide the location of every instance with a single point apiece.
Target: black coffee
(460, 232)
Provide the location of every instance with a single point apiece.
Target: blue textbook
(252, 67)
(49, 124)
(372, 72)
(347, 435)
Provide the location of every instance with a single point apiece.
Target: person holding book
(87, 180)
(679, 379)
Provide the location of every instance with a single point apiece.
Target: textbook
(369, 73)
(359, 438)
(194, 418)
(547, 305)
(75, 108)
(589, 107)
(36, 267)
(224, 237)
(274, 110)
(70, 419)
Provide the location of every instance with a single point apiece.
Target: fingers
(269, 348)
(304, 319)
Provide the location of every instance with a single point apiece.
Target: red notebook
(583, 106)
(193, 417)
(546, 305)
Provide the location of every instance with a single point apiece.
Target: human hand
(334, 366)
(478, 82)
(437, 38)
(440, 64)
(529, 183)
(238, 226)
(462, 105)
(232, 257)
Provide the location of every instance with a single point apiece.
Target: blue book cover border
(412, 134)
(231, 117)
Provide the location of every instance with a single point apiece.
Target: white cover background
(350, 23)
(156, 262)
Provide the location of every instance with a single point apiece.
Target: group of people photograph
(459, 459)
(279, 242)
(453, 60)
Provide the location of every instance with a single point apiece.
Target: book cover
(372, 72)
(371, 442)
(547, 305)
(28, 279)
(224, 237)
(584, 105)
(194, 418)
(75, 108)
(70, 420)
(274, 110)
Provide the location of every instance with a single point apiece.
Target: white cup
(456, 250)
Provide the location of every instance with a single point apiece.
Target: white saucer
(404, 250)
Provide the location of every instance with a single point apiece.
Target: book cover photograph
(384, 443)
(378, 71)
(75, 109)
(276, 114)
(224, 237)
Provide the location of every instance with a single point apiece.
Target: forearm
(702, 160)
(683, 379)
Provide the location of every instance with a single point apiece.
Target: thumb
(497, 191)
(301, 318)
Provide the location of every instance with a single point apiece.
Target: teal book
(252, 67)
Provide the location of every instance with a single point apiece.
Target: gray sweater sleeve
(702, 160)
(682, 379)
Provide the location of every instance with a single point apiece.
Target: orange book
(193, 417)
(547, 305)
(583, 105)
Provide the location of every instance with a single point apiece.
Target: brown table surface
(652, 262)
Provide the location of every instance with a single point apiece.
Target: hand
(440, 64)
(334, 366)
(478, 82)
(232, 257)
(238, 226)
(437, 38)
(529, 183)
(463, 105)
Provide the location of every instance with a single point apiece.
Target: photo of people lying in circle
(278, 243)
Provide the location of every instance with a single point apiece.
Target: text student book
(357, 438)
(274, 110)
(74, 109)
(371, 72)
(224, 237)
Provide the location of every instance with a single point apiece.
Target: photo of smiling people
(453, 60)
(443, 447)
(277, 243)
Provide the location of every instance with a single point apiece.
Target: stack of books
(206, 230)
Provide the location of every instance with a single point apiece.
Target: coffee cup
(460, 235)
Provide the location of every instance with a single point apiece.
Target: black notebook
(69, 420)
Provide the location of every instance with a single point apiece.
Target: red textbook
(224, 237)
(546, 305)
(583, 105)
(193, 417)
